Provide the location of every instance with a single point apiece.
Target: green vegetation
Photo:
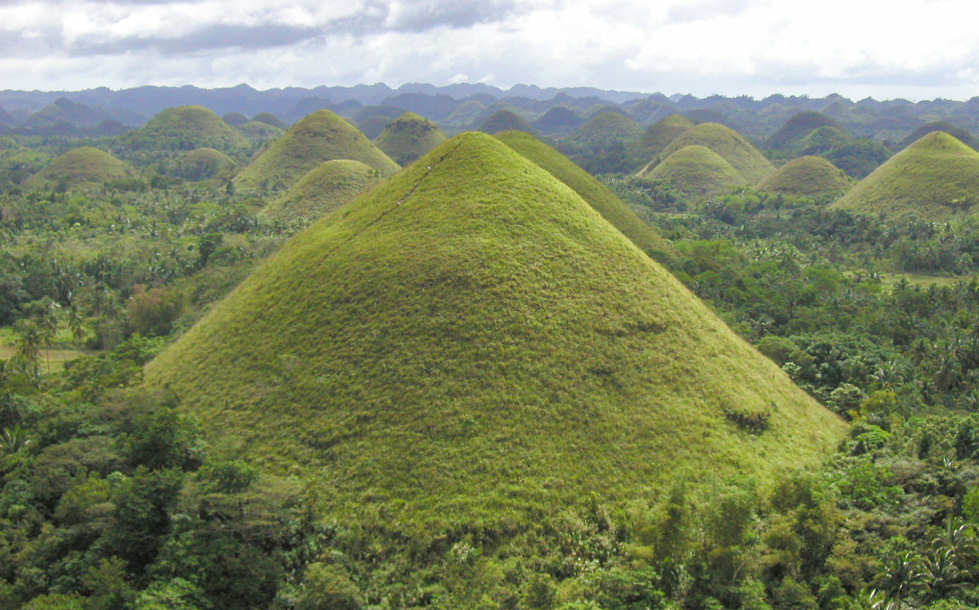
(505, 120)
(727, 143)
(259, 131)
(558, 338)
(957, 132)
(322, 136)
(606, 126)
(659, 135)
(80, 168)
(185, 128)
(807, 176)
(596, 194)
(798, 127)
(270, 119)
(323, 189)
(697, 171)
(558, 120)
(409, 137)
(203, 164)
(934, 179)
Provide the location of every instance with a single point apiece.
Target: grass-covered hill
(323, 189)
(409, 137)
(202, 164)
(727, 143)
(259, 131)
(321, 136)
(270, 119)
(658, 136)
(807, 176)
(186, 128)
(933, 179)
(799, 126)
(471, 344)
(505, 120)
(558, 120)
(596, 194)
(607, 126)
(697, 171)
(80, 168)
(952, 130)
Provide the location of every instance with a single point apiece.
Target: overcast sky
(918, 49)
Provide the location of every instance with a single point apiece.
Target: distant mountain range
(103, 111)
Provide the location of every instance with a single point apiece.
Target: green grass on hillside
(806, 176)
(409, 137)
(953, 130)
(933, 179)
(659, 135)
(472, 344)
(607, 126)
(259, 131)
(505, 120)
(798, 127)
(592, 191)
(322, 136)
(80, 168)
(697, 171)
(186, 128)
(270, 119)
(202, 164)
(323, 189)
(727, 143)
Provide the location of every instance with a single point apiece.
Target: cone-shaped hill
(270, 119)
(321, 136)
(697, 171)
(258, 131)
(607, 126)
(202, 164)
(80, 168)
(505, 120)
(186, 128)
(933, 179)
(807, 177)
(409, 137)
(323, 189)
(596, 194)
(798, 127)
(659, 135)
(953, 130)
(726, 142)
(472, 341)
(558, 120)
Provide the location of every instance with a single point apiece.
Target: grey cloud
(429, 15)
(695, 11)
(205, 39)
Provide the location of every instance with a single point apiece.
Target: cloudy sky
(918, 49)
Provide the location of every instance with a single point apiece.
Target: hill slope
(201, 164)
(953, 130)
(798, 127)
(323, 189)
(186, 128)
(806, 176)
(659, 135)
(321, 136)
(409, 137)
(725, 142)
(698, 171)
(596, 194)
(82, 167)
(505, 120)
(472, 343)
(933, 179)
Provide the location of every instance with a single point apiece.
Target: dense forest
(114, 495)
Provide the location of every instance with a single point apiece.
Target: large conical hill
(472, 342)
(697, 171)
(186, 128)
(323, 189)
(321, 136)
(80, 168)
(807, 176)
(659, 135)
(933, 179)
(596, 194)
(727, 143)
(409, 137)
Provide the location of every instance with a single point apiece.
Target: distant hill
(258, 131)
(659, 135)
(799, 126)
(596, 194)
(466, 114)
(186, 128)
(607, 126)
(957, 132)
(505, 120)
(270, 119)
(202, 164)
(472, 343)
(322, 190)
(558, 120)
(696, 170)
(322, 136)
(80, 168)
(409, 137)
(727, 143)
(933, 179)
(806, 176)
(234, 119)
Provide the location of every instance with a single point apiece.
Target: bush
(152, 312)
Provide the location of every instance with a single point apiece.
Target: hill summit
(321, 136)
(806, 176)
(470, 342)
(409, 137)
(323, 189)
(933, 179)
(727, 143)
(696, 170)
(80, 168)
(186, 128)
